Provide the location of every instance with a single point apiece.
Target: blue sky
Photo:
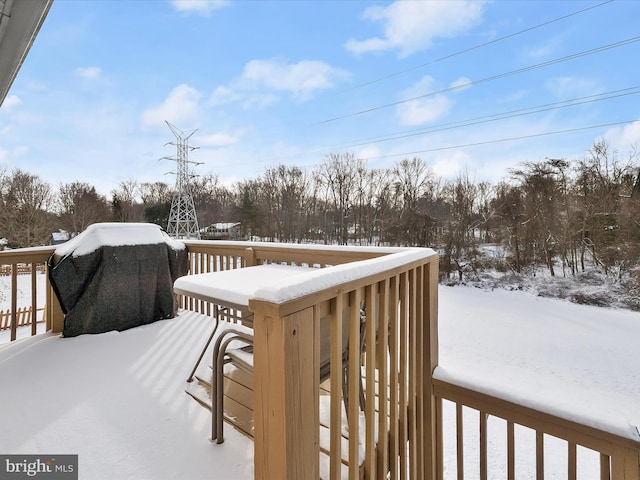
(289, 82)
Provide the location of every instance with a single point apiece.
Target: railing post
(625, 463)
(433, 437)
(249, 257)
(53, 311)
(286, 393)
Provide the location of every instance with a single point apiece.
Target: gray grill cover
(115, 276)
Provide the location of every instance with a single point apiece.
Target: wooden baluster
(483, 445)
(383, 379)
(335, 441)
(14, 300)
(460, 441)
(370, 462)
(511, 451)
(394, 382)
(572, 471)
(354, 375)
(404, 377)
(539, 455)
(34, 298)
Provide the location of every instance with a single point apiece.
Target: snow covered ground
(117, 399)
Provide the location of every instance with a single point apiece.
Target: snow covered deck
(532, 381)
(117, 399)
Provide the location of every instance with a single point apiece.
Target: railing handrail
(580, 433)
(285, 298)
(26, 255)
(290, 252)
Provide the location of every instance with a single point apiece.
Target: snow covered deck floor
(118, 401)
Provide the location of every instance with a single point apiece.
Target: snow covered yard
(574, 361)
(117, 399)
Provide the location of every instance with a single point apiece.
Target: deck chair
(236, 347)
(218, 312)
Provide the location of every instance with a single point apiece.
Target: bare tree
(338, 174)
(123, 200)
(248, 209)
(26, 214)
(509, 205)
(80, 206)
(459, 229)
(542, 192)
(152, 193)
(415, 185)
(602, 179)
(286, 188)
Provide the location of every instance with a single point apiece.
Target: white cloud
(369, 151)
(461, 83)
(543, 50)
(563, 87)
(261, 80)
(515, 96)
(302, 78)
(422, 110)
(199, 7)
(411, 27)
(13, 154)
(451, 164)
(220, 139)
(223, 95)
(20, 151)
(259, 100)
(625, 137)
(10, 102)
(181, 107)
(88, 72)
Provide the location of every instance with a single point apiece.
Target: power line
(485, 119)
(496, 117)
(470, 49)
(492, 78)
(487, 142)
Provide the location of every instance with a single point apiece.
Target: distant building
(59, 237)
(221, 231)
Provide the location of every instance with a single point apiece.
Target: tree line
(557, 214)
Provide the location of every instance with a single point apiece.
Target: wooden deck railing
(30, 260)
(392, 434)
(397, 431)
(619, 457)
(24, 317)
(400, 432)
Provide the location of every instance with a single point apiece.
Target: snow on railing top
(599, 412)
(324, 278)
(299, 246)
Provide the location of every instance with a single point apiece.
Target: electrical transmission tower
(183, 222)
